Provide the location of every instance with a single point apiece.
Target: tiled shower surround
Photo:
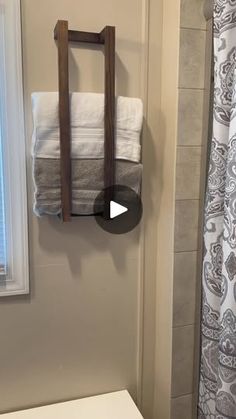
(190, 180)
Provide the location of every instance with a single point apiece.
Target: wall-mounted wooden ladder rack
(107, 38)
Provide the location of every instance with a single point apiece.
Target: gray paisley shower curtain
(217, 389)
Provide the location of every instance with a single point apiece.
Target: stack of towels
(87, 149)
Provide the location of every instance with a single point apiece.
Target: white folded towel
(87, 126)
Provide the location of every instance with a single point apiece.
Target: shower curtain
(217, 388)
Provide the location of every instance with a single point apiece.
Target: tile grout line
(187, 199)
(187, 251)
(191, 88)
(186, 28)
(184, 325)
(189, 146)
(182, 395)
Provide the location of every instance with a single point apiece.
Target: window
(14, 276)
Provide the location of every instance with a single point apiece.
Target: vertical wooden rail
(108, 37)
(61, 34)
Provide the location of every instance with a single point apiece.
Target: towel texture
(87, 182)
(87, 149)
(87, 126)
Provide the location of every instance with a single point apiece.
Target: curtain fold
(217, 388)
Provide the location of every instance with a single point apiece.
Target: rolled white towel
(87, 126)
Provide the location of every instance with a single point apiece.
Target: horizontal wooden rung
(81, 36)
(87, 37)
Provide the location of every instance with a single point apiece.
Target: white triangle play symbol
(116, 209)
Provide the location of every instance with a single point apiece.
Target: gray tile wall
(189, 193)
(181, 407)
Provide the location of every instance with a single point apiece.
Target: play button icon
(118, 209)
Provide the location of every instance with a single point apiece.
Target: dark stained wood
(108, 36)
(87, 37)
(61, 31)
(81, 36)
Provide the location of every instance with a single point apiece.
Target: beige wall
(81, 330)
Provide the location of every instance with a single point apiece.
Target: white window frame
(16, 280)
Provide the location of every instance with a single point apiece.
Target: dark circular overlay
(124, 196)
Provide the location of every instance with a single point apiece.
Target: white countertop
(118, 405)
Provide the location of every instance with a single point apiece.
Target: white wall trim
(144, 95)
(169, 58)
(151, 195)
(14, 149)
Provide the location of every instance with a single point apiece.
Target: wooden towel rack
(107, 38)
